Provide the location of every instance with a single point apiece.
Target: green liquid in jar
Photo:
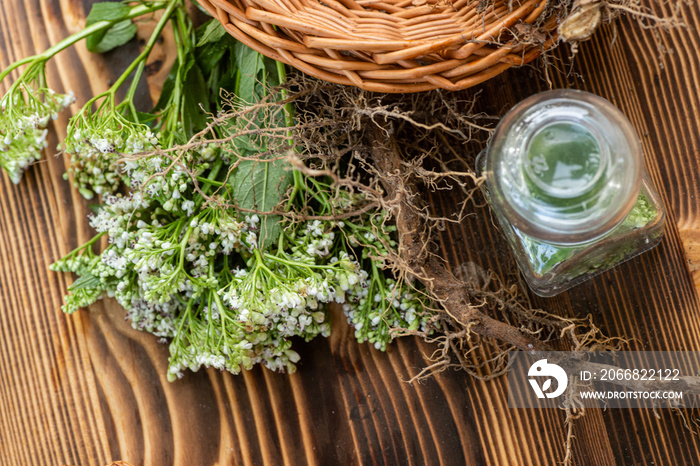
(562, 164)
(543, 256)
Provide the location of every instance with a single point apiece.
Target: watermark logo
(541, 369)
(602, 380)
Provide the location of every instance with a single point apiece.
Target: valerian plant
(215, 244)
(29, 105)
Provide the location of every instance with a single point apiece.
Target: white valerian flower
(188, 207)
(24, 115)
(96, 142)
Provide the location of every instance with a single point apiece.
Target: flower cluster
(24, 116)
(95, 144)
(196, 275)
(382, 305)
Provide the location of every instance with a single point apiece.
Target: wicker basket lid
(393, 45)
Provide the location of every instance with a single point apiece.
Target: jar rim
(618, 198)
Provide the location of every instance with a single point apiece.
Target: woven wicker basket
(392, 45)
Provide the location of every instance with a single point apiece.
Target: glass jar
(565, 177)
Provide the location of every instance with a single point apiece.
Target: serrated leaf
(259, 185)
(251, 66)
(119, 34)
(210, 32)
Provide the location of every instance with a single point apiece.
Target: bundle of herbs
(216, 244)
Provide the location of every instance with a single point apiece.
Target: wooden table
(87, 389)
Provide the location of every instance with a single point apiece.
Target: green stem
(261, 266)
(140, 60)
(377, 279)
(169, 125)
(295, 264)
(183, 246)
(298, 186)
(289, 121)
(187, 314)
(222, 313)
(212, 176)
(288, 108)
(136, 11)
(16, 65)
(185, 24)
(207, 181)
(131, 92)
(86, 245)
(320, 196)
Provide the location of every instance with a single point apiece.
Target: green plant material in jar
(544, 257)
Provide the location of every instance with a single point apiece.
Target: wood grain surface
(86, 389)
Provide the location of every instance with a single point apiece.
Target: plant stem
(183, 45)
(207, 181)
(84, 246)
(140, 61)
(295, 264)
(135, 12)
(298, 184)
(210, 181)
(288, 108)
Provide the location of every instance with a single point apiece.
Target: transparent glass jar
(565, 177)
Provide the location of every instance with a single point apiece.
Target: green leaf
(210, 32)
(86, 282)
(260, 185)
(168, 88)
(116, 36)
(189, 63)
(195, 93)
(253, 79)
(119, 34)
(217, 62)
(273, 77)
(107, 11)
(211, 56)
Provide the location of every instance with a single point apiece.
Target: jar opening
(564, 160)
(565, 166)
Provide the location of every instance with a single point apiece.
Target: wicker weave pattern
(391, 45)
